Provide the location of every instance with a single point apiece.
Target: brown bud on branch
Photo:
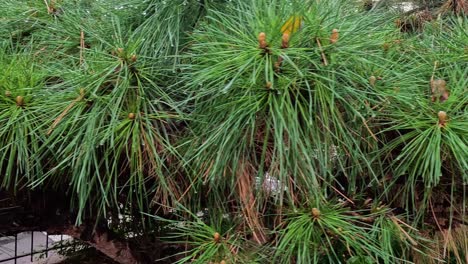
(334, 36)
(278, 64)
(442, 118)
(439, 90)
(285, 41)
(19, 100)
(372, 80)
(262, 40)
(216, 237)
(315, 212)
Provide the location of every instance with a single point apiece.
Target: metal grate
(23, 247)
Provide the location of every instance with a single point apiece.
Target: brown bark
(117, 250)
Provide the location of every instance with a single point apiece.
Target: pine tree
(243, 131)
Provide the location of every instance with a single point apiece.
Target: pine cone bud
(285, 41)
(262, 40)
(216, 237)
(439, 90)
(120, 52)
(372, 80)
(442, 118)
(19, 100)
(334, 36)
(315, 212)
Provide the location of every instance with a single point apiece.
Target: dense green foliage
(312, 131)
